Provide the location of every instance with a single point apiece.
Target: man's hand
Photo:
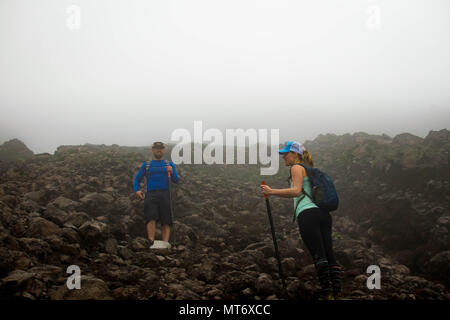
(140, 195)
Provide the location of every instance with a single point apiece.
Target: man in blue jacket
(157, 204)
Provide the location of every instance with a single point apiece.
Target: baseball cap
(158, 145)
(292, 146)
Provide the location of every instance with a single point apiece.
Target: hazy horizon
(204, 143)
(130, 73)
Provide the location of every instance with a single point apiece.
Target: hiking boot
(324, 280)
(335, 276)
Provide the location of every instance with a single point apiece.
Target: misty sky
(135, 71)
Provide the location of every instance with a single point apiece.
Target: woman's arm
(297, 173)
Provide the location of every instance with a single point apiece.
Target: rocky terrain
(14, 150)
(77, 207)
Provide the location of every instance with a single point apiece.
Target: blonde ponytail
(306, 158)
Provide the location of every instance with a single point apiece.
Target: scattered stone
(93, 231)
(41, 228)
(76, 208)
(92, 288)
(264, 284)
(111, 246)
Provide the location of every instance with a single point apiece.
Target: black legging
(315, 229)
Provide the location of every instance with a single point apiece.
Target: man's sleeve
(174, 177)
(138, 178)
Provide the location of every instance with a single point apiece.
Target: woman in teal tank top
(314, 223)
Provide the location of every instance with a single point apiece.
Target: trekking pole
(277, 254)
(170, 201)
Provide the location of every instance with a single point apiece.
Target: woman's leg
(326, 232)
(309, 226)
(335, 269)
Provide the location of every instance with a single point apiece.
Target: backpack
(147, 167)
(324, 193)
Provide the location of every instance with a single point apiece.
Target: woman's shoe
(335, 276)
(324, 280)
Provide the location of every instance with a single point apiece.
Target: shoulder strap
(300, 200)
(304, 194)
(147, 166)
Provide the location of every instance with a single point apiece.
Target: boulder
(407, 139)
(17, 277)
(23, 283)
(125, 253)
(70, 235)
(65, 204)
(36, 196)
(140, 243)
(180, 292)
(439, 265)
(264, 284)
(34, 247)
(47, 272)
(55, 215)
(6, 262)
(111, 246)
(41, 228)
(146, 259)
(289, 266)
(400, 269)
(204, 272)
(77, 218)
(92, 288)
(10, 200)
(13, 150)
(93, 231)
(97, 204)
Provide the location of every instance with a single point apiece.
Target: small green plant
(337, 236)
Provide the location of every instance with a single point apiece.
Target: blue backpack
(148, 165)
(324, 193)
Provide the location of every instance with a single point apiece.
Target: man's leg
(166, 215)
(166, 232)
(151, 214)
(151, 226)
